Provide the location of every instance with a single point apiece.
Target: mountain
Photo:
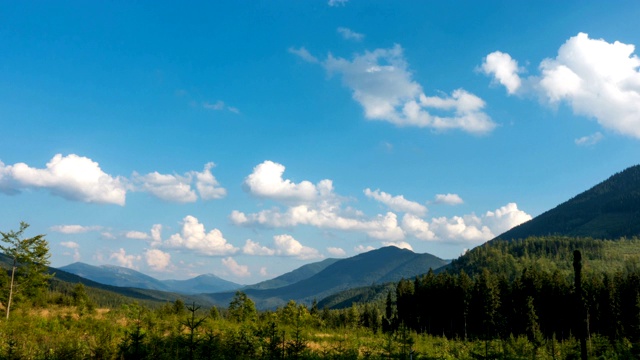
(299, 274)
(201, 284)
(609, 210)
(116, 276)
(374, 267)
(110, 295)
(125, 277)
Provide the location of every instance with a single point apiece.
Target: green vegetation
(538, 298)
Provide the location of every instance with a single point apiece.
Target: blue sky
(247, 138)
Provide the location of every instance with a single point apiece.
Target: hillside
(374, 267)
(109, 295)
(609, 210)
(205, 283)
(115, 275)
(299, 274)
(125, 277)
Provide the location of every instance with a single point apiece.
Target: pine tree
(30, 258)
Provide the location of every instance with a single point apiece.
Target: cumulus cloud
(505, 218)
(74, 229)
(235, 268)
(124, 260)
(218, 106)
(448, 199)
(398, 244)
(304, 54)
(254, 248)
(417, 227)
(349, 34)
(595, 78)
(286, 245)
(467, 228)
(589, 140)
(193, 237)
(504, 70)
(266, 182)
(396, 203)
(157, 260)
(362, 249)
(379, 227)
(207, 185)
(81, 179)
(382, 84)
(173, 188)
(336, 251)
(72, 177)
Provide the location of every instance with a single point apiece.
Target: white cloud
(235, 268)
(108, 235)
(336, 251)
(398, 244)
(207, 185)
(72, 177)
(177, 188)
(266, 182)
(349, 34)
(156, 235)
(396, 203)
(505, 218)
(467, 228)
(304, 54)
(589, 140)
(75, 247)
(139, 235)
(596, 79)
(286, 245)
(362, 249)
(504, 70)
(335, 3)
(254, 248)
(383, 85)
(74, 229)
(417, 227)
(157, 260)
(173, 188)
(193, 237)
(379, 227)
(124, 260)
(70, 244)
(448, 199)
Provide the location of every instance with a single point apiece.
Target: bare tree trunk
(13, 271)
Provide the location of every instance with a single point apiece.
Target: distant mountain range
(388, 264)
(609, 210)
(125, 277)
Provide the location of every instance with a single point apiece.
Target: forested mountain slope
(301, 273)
(609, 210)
(374, 267)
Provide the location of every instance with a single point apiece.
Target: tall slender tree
(29, 261)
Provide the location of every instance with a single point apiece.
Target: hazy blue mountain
(373, 267)
(201, 284)
(301, 273)
(116, 276)
(609, 210)
(125, 277)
